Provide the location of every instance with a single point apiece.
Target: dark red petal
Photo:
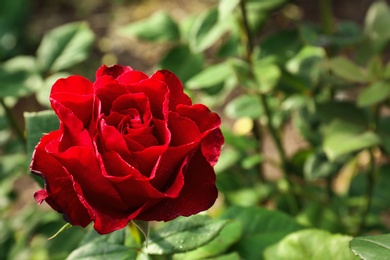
(81, 106)
(177, 96)
(107, 90)
(158, 95)
(168, 165)
(183, 130)
(132, 77)
(112, 71)
(201, 115)
(208, 123)
(198, 194)
(74, 84)
(73, 131)
(59, 192)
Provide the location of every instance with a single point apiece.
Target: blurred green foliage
(328, 81)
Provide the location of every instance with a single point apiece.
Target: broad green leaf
(311, 244)
(43, 92)
(318, 166)
(307, 64)
(342, 110)
(346, 69)
(103, 251)
(274, 45)
(371, 247)
(342, 138)
(207, 30)
(184, 234)
(376, 30)
(244, 106)
(375, 68)
(160, 27)
(210, 76)
(181, 61)
(37, 124)
(261, 228)
(64, 46)
(227, 159)
(226, 8)
(374, 94)
(19, 77)
(228, 235)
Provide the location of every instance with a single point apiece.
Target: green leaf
(376, 30)
(64, 46)
(231, 256)
(244, 106)
(207, 30)
(311, 244)
(19, 77)
(103, 250)
(228, 235)
(183, 62)
(267, 76)
(307, 64)
(184, 234)
(342, 110)
(342, 138)
(210, 76)
(346, 69)
(371, 247)
(318, 166)
(37, 124)
(261, 228)
(374, 94)
(160, 27)
(226, 8)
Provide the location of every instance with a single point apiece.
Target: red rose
(129, 147)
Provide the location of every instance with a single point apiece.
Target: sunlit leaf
(184, 234)
(159, 27)
(311, 244)
(64, 46)
(371, 247)
(347, 70)
(374, 94)
(342, 138)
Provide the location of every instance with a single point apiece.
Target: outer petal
(132, 77)
(177, 96)
(208, 123)
(198, 194)
(76, 94)
(59, 192)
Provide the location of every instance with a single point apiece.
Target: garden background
(302, 88)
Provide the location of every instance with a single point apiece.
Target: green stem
(13, 122)
(248, 41)
(326, 16)
(371, 179)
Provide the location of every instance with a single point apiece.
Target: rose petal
(198, 194)
(73, 84)
(131, 77)
(81, 162)
(183, 130)
(158, 94)
(59, 192)
(208, 123)
(73, 131)
(107, 90)
(112, 71)
(177, 96)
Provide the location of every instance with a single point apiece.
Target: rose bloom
(129, 147)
